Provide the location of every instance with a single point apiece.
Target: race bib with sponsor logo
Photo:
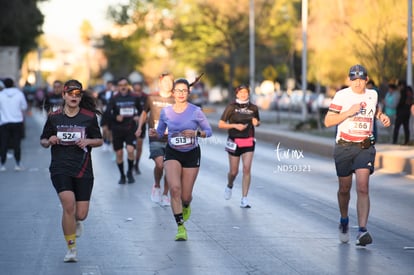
(360, 126)
(69, 135)
(178, 141)
(230, 146)
(127, 111)
(181, 141)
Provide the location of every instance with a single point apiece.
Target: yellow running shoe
(186, 213)
(181, 233)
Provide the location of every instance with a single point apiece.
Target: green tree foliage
(122, 58)
(214, 32)
(342, 33)
(20, 24)
(144, 48)
(213, 37)
(277, 31)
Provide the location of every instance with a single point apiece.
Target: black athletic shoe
(122, 180)
(363, 239)
(130, 177)
(136, 168)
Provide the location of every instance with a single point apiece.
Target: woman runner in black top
(240, 118)
(71, 132)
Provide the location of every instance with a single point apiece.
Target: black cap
(358, 71)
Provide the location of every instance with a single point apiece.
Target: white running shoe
(71, 256)
(3, 168)
(227, 193)
(343, 233)
(156, 194)
(18, 168)
(79, 228)
(165, 201)
(244, 203)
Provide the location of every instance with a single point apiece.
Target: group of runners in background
(174, 127)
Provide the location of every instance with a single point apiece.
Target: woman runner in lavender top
(182, 127)
(185, 123)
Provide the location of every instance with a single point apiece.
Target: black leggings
(11, 135)
(404, 120)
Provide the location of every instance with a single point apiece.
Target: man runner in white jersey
(353, 110)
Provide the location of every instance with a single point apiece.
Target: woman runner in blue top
(186, 123)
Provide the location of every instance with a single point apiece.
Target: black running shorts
(81, 187)
(190, 159)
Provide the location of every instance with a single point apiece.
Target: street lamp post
(251, 46)
(39, 80)
(304, 55)
(409, 44)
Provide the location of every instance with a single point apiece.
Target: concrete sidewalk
(275, 128)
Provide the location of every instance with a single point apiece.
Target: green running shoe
(181, 233)
(186, 213)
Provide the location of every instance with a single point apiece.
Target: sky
(63, 18)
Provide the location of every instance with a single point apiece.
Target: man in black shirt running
(124, 108)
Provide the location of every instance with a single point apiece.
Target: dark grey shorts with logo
(350, 157)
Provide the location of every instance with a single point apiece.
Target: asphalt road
(290, 229)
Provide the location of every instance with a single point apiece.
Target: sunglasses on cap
(75, 93)
(67, 88)
(357, 73)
